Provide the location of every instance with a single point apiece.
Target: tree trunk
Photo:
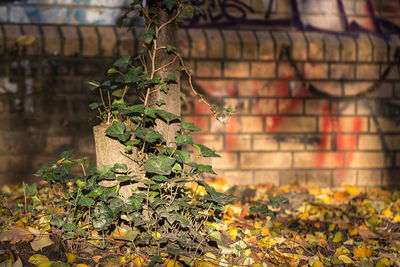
(167, 36)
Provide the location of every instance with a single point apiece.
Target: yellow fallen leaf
(338, 237)
(81, 265)
(352, 190)
(362, 252)
(396, 218)
(38, 259)
(341, 196)
(383, 262)
(353, 232)
(71, 257)
(138, 261)
(172, 263)
(265, 231)
(233, 233)
(346, 259)
(387, 213)
(318, 264)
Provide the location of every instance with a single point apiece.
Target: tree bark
(168, 35)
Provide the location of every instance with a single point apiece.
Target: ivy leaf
(171, 48)
(167, 116)
(148, 35)
(131, 76)
(150, 112)
(118, 130)
(159, 164)
(112, 71)
(169, 4)
(182, 156)
(183, 139)
(190, 126)
(205, 151)
(201, 168)
(160, 102)
(95, 192)
(93, 85)
(164, 88)
(86, 201)
(123, 62)
(133, 202)
(116, 205)
(170, 77)
(150, 136)
(93, 105)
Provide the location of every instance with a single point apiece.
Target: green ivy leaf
(93, 85)
(93, 105)
(164, 88)
(131, 76)
(118, 93)
(123, 62)
(31, 189)
(190, 126)
(148, 35)
(169, 4)
(201, 168)
(183, 139)
(86, 201)
(159, 164)
(182, 156)
(118, 130)
(133, 202)
(148, 135)
(205, 151)
(95, 192)
(112, 71)
(171, 48)
(116, 205)
(160, 102)
(167, 116)
(171, 77)
(150, 112)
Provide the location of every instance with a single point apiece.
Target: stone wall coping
(207, 43)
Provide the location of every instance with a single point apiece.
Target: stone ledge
(259, 45)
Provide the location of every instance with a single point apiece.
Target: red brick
(315, 46)
(12, 32)
(232, 44)
(263, 88)
(348, 51)
(385, 90)
(354, 88)
(346, 142)
(290, 106)
(13, 163)
(310, 159)
(366, 159)
(367, 71)
(52, 40)
(108, 41)
(344, 107)
(265, 143)
(227, 161)
(282, 42)
(126, 41)
(266, 45)
(208, 69)
(236, 69)
(215, 47)
(198, 44)
(286, 71)
(90, 46)
(36, 47)
(213, 141)
(316, 71)
(392, 141)
(218, 87)
(344, 177)
(237, 142)
(239, 177)
(299, 45)
(263, 70)
(265, 160)
(292, 143)
(369, 142)
(56, 143)
(331, 47)
(393, 74)
(264, 106)
(344, 124)
(71, 40)
(289, 177)
(291, 124)
(369, 178)
(364, 51)
(387, 125)
(332, 88)
(319, 177)
(321, 142)
(266, 177)
(393, 42)
(85, 145)
(183, 43)
(251, 124)
(342, 71)
(380, 48)
(239, 105)
(316, 106)
(390, 178)
(249, 43)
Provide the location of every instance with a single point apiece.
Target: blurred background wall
(315, 84)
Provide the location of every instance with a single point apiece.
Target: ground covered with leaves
(266, 226)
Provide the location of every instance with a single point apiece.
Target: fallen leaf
(338, 237)
(383, 262)
(16, 234)
(41, 242)
(71, 257)
(39, 259)
(352, 190)
(362, 252)
(346, 259)
(340, 197)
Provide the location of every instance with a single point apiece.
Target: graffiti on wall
(236, 12)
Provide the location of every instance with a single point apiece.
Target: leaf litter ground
(292, 225)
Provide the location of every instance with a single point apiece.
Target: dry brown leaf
(365, 233)
(16, 234)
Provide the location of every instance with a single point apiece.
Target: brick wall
(311, 107)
